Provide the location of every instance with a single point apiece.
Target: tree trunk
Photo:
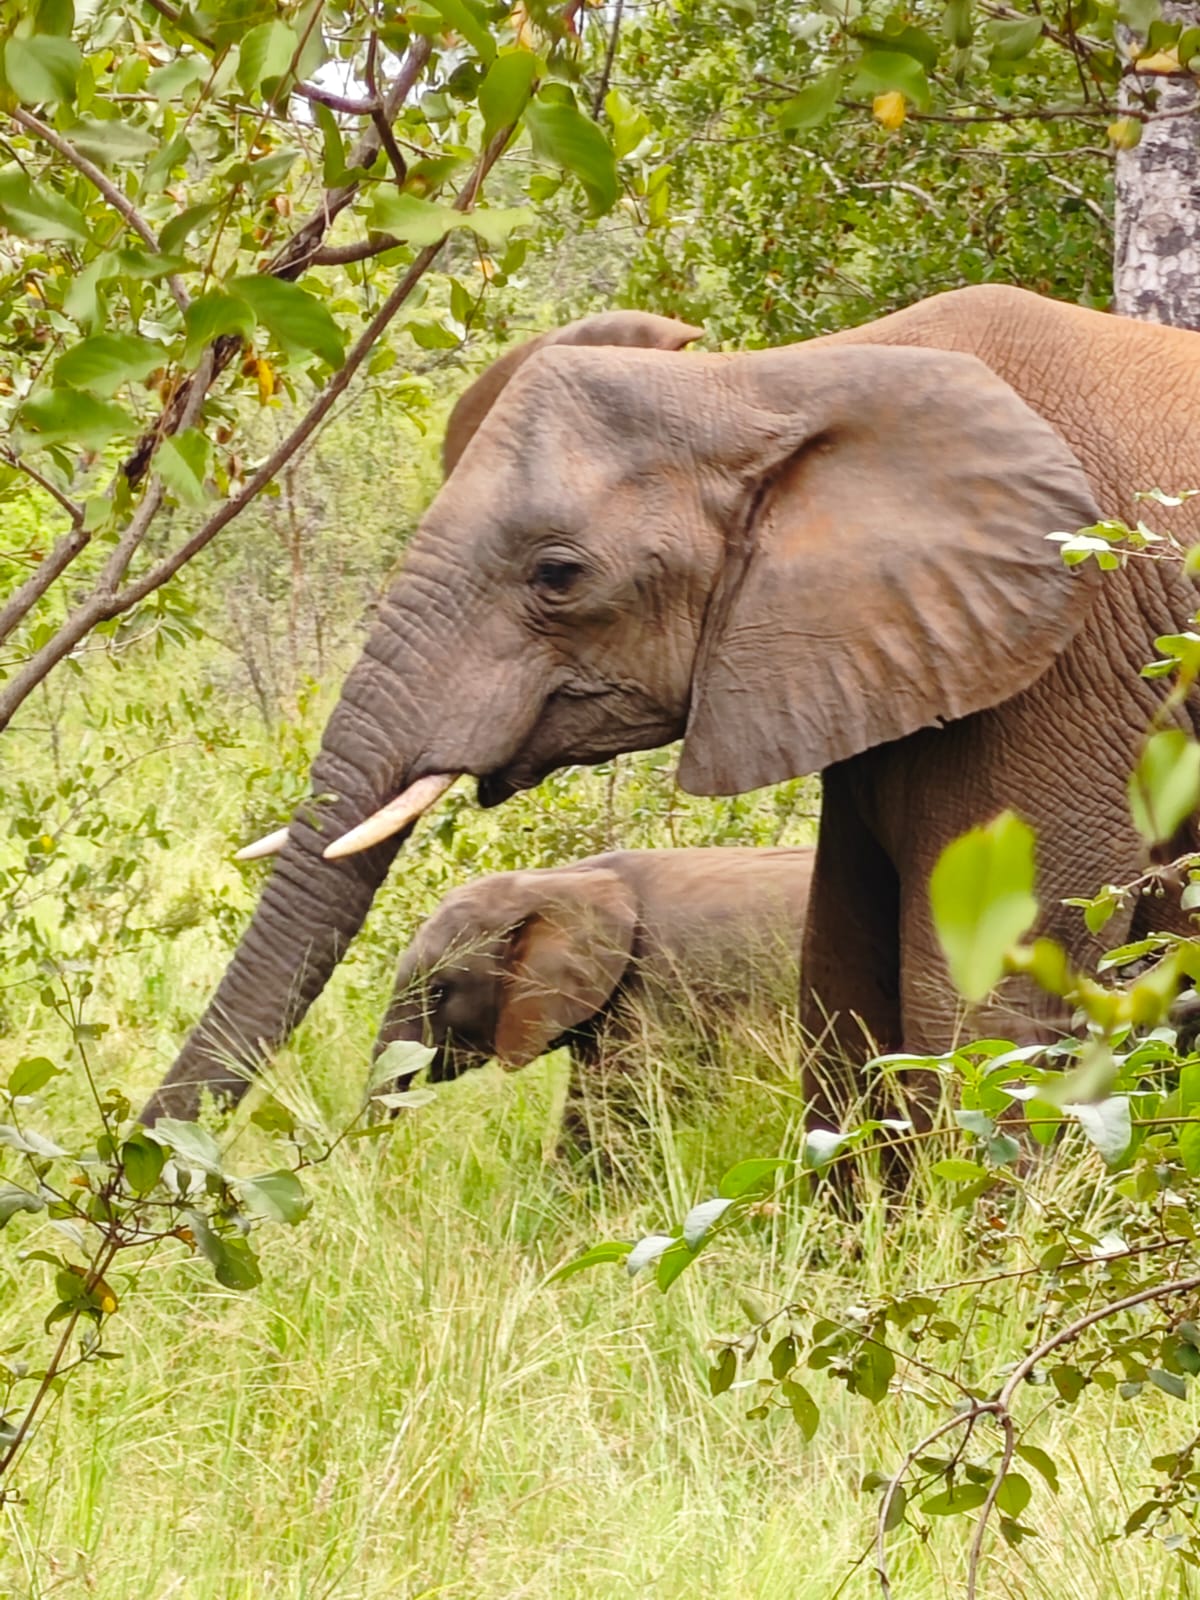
(1156, 267)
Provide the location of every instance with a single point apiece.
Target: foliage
(788, 209)
(175, 180)
(98, 1208)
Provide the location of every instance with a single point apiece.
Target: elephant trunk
(311, 907)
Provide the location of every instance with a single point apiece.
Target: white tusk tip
(270, 845)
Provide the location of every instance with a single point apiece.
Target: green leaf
(265, 53)
(910, 41)
(671, 1263)
(747, 1177)
(277, 1196)
(561, 134)
(401, 1059)
(647, 1250)
(232, 1260)
(13, 1200)
(981, 892)
(212, 315)
(405, 1099)
(194, 1145)
(35, 211)
(1165, 786)
(1014, 1494)
(598, 1255)
(28, 1076)
(1015, 38)
(465, 19)
(881, 70)
(958, 1171)
(812, 105)
(722, 1373)
(169, 82)
(701, 1218)
(1188, 1141)
(142, 1160)
(42, 69)
(110, 143)
(820, 1147)
(1139, 14)
(493, 224)
(105, 361)
(1042, 1463)
(183, 462)
(1169, 1382)
(872, 1371)
(175, 233)
(630, 125)
(1107, 1125)
(505, 90)
(1070, 1383)
(953, 1502)
(292, 315)
(76, 418)
(804, 1408)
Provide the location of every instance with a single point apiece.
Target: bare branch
(337, 255)
(19, 605)
(610, 56)
(109, 190)
(74, 511)
(105, 601)
(336, 102)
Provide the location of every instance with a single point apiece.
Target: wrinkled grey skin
(830, 557)
(519, 963)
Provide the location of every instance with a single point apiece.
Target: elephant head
(786, 557)
(506, 965)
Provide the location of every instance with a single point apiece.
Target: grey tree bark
(1156, 266)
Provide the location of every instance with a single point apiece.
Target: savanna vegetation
(312, 1354)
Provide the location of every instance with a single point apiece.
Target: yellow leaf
(1125, 133)
(1159, 61)
(888, 109)
(47, 841)
(266, 380)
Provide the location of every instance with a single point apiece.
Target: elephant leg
(849, 985)
(603, 1095)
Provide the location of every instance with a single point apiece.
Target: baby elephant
(519, 963)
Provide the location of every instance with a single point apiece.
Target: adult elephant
(827, 557)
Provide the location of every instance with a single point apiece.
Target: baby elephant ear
(565, 959)
(640, 329)
(888, 564)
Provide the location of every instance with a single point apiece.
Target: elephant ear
(565, 958)
(641, 329)
(888, 566)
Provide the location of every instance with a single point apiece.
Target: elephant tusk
(397, 814)
(269, 845)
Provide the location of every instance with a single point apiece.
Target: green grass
(408, 1407)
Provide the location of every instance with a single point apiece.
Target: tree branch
(41, 130)
(105, 602)
(336, 102)
(610, 56)
(337, 255)
(296, 256)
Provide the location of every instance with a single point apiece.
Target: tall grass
(408, 1407)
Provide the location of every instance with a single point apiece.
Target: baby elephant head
(506, 965)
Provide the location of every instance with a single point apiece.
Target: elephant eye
(437, 992)
(555, 576)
